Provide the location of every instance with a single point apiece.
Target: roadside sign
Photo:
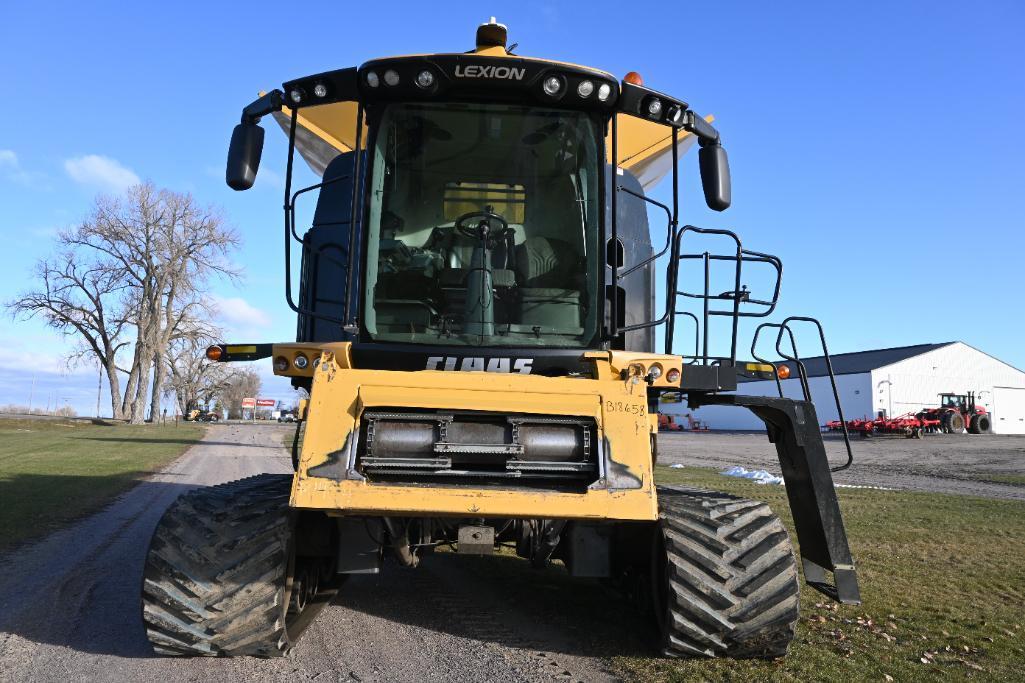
(266, 402)
(249, 403)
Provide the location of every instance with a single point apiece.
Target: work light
(425, 79)
(604, 90)
(552, 86)
(585, 88)
(391, 77)
(373, 80)
(675, 115)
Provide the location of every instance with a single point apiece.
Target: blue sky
(877, 147)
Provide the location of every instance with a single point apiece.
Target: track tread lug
(214, 581)
(732, 579)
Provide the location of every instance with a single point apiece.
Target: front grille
(464, 447)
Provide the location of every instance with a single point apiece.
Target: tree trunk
(159, 376)
(114, 382)
(141, 390)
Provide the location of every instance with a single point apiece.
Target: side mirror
(244, 156)
(715, 176)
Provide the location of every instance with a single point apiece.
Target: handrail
(832, 378)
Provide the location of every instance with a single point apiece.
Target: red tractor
(958, 411)
(668, 423)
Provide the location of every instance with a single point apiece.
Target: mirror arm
(268, 104)
(705, 132)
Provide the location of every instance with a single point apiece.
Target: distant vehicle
(958, 412)
(202, 416)
(286, 417)
(668, 423)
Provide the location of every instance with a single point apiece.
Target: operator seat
(551, 276)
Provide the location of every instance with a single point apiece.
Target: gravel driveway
(69, 604)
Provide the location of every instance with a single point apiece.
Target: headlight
(373, 80)
(320, 90)
(425, 79)
(655, 371)
(296, 95)
(604, 90)
(552, 85)
(391, 77)
(675, 115)
(280, 364)
(301, 362)
(654, 107)
(585, 88)
(673, 376)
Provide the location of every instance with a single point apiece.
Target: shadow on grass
(187, 442)
(136, 439)
(79, 587)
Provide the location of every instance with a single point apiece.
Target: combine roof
(645, 147)
(860, 361)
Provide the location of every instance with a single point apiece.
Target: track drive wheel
(221, 576)
(724, 577)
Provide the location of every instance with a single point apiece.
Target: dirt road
(69, 605)
(966, 464)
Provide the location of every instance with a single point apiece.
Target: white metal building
(893, 381)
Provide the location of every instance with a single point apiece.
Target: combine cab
(477, 331)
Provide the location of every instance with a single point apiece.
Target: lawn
(942, 580)
(943, 584)
(53, 471)
(1004, 478)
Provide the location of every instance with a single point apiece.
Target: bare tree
(82, 296)
(194, 380)
(136, 267)
(242, 383)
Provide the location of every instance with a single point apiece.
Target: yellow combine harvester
(476, 329)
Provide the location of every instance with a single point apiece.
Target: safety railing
(784, 327)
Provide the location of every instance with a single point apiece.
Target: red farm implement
(911, 425)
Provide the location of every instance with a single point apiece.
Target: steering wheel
(478, 231)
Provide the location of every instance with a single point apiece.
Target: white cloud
(101, 172)
(43, 354)
(11, 169)
(237, 311)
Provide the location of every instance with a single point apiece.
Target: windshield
(483, 226)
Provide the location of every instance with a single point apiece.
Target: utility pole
(31, 392)
(99, 385)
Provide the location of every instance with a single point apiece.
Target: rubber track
(733, 587)
(214, 582)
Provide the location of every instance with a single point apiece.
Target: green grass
(942, 580)
(1004, 478)
(54, 471)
